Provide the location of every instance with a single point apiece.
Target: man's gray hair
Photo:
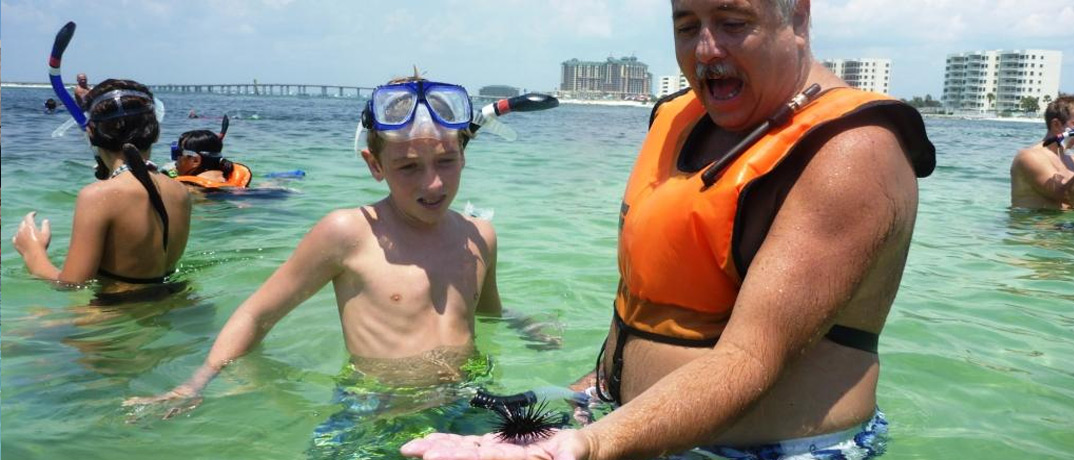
(785, 8)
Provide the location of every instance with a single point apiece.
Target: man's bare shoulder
(1030, 156)
(863, 145)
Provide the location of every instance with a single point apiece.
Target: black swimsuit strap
(127, 279)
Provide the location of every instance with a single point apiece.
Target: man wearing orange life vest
(748, 312)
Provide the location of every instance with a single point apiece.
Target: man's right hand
(178, 401)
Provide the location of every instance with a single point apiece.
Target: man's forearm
(685, 409)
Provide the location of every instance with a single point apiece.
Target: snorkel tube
(780, 118)
(530, 102)
(223, 127)
(63, 38)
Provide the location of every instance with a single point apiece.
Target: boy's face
(422, 174)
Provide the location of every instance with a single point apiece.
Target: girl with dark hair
(131, 227)
(199, 163)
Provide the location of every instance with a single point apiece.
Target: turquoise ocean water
(978, 354)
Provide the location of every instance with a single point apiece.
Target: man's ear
(195, 161)
(374, 165)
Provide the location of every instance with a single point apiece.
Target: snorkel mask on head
(116, 96)
(413, 110)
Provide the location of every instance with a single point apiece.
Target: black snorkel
(223, 127)
(780, 118)
(530, 102)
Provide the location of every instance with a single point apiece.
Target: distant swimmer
(131, 227)
(1042, 174)
(199, 162)
(50, 105)
(192, 114)
(81, 89)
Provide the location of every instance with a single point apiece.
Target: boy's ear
(195, 161)
(374, 165)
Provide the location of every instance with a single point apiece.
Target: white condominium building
(671, 83)
(998, 81)
(865, 74)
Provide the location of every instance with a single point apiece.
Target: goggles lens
(393, 106)
(179, 152)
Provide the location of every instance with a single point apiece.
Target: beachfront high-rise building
(671, 83)
(865, 74)
(623, 78)
(997, 81)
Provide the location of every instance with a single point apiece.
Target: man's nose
(708, 48)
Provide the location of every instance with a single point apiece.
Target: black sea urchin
(527, 424)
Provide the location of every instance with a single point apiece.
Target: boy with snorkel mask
(409, 273)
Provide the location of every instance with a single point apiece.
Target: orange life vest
(678, 277)
(240, 177)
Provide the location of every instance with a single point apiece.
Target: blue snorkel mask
(395, 106)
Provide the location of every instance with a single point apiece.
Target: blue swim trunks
(859, 443)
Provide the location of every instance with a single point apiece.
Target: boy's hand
(29, 239)
(178, 401)
(564, 445)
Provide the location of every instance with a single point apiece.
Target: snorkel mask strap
(116, 96)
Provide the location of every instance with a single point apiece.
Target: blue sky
(480, 42)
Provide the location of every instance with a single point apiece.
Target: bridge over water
(268, 89)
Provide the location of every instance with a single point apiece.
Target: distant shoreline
(607, 103)
(984, 118)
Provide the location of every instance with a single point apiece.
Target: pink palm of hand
(563, 445)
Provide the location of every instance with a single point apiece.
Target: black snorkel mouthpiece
(496, 403)
(780, 118)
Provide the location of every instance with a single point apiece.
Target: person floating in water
(199, 163)
(50, 105)
(409, 273)
(132, 226)
(1042, 174)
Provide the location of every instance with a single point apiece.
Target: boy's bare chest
(414, 279)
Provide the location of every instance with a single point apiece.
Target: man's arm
(316, 261)
(856, 195)
(1055, 185)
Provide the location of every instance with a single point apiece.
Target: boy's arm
(317, 260)
(489, 303)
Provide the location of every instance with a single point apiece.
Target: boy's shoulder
(483, 226)
(340, 225)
